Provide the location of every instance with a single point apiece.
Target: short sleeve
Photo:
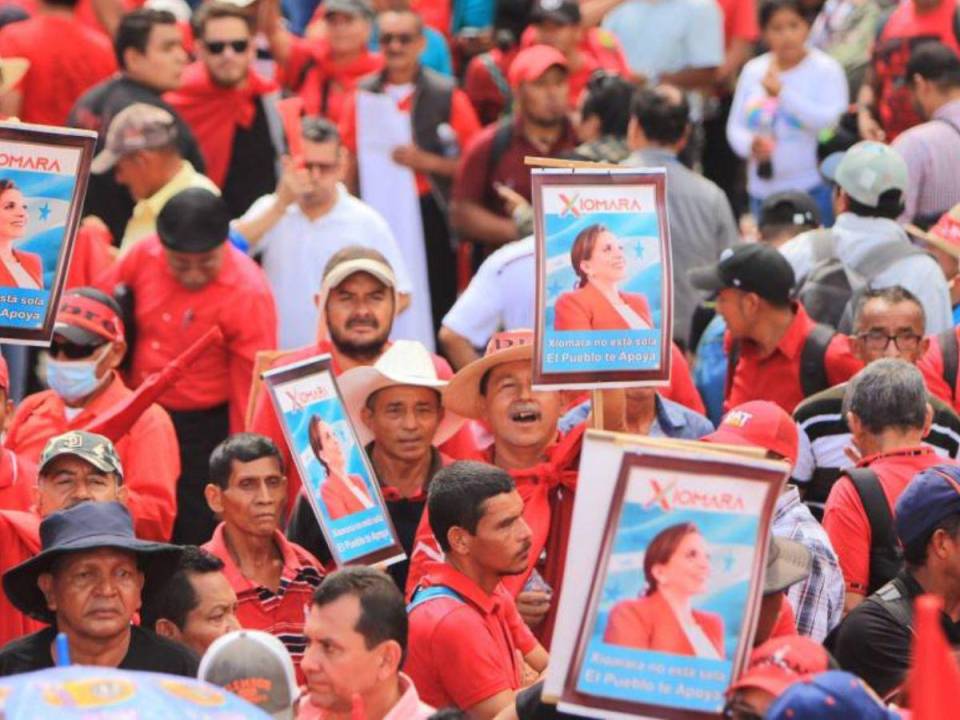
(477, 312)
(803, 468)
(522, 635)
(846, 524)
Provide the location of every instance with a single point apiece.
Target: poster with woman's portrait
(337, 477)
(677, 570)
(604, 284)
(43, 181)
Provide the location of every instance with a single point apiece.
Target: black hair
(135, 28)
(935, 62)
(608, 98)
(915, 552)
(319, 130)
(242, 447)
(769, 8)
(215, 11)
(457, 495)
(890, 205)
(664, 119)
(383, 612)
(893, 295)
(178, 598)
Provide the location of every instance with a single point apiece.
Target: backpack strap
(821, 244)
(501, 140)
(813, 370)
(733, 357)
(894, 599)
(884, 551)
(434, 592)
(949, 354)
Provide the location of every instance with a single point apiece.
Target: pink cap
(534, 61)
(759, 423)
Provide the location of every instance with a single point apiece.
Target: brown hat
(462, 394)
(137, 127)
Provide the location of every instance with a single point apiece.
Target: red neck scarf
(214, 112)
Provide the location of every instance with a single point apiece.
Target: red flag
(117, 421)
(934, 681)
(290, 109)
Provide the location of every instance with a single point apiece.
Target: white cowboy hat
(406, 362)
(463, 392)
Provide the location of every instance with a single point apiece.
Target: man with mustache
(468, 646)
(357, 301)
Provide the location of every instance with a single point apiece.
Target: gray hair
(888, 393)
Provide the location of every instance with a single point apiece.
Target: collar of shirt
(791, 344)
(564, 139)
(154, 204)
(441, 573)
(948, 111)
(218, 546)
(652, 156)
(408, 707)
(391, 494)
(913, 451)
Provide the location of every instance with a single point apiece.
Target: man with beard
(479, 211)
(299, 227)
(357, 300)
(230, 107)
(468, 646)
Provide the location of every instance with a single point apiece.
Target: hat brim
(160, 561)
(828, 168)
(79, 335)
(98, 462)
(13, 69)
(791, 566)
(935, 240)
(706, 278)
(103, 162)
(462, 394)
(358, 384)
(767, 681)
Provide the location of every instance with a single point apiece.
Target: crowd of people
(810, 151)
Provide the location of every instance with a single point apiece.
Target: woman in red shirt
(17, 268)
(342, 494)
(677, 566)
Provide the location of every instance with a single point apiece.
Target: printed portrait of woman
(597, 303)
(677, 567)
(342, 494)
(17, 268)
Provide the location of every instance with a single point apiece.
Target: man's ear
(122, 494)
(116, 354)
(853, 422)
(927, 419)
(388, 664)
(214, 497)
(459, 540)
(168, 629)
(366, 415)
(45, 583)
(635, 137)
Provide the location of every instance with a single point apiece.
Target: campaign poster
(43, 182)
(337, 476)
(676, 568)
(604, 283)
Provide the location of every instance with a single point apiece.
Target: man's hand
(413, 157)
(868, 127)
(520, 210)
(533, 606)
(771, 80)
(293, 181)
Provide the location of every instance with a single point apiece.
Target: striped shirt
(931, 150)
(282, 614)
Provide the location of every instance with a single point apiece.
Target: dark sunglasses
(402, 38)
(72, 351)
(218, 46)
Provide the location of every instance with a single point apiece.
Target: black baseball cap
(791, 207)
(562, 12)
(193, 221)
(751, 267)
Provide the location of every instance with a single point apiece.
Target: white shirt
(500, 295)
(295, 251)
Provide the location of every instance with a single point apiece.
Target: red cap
(4, 375)
(532, 62)
(759, 423)
(84, 320)
(780, 662)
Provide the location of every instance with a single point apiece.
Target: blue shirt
(673, 420)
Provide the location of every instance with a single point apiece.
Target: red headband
(92, 315)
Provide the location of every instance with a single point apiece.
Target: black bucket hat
(87, 526)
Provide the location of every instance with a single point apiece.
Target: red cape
(214, 112)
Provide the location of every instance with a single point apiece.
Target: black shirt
(252, 172)
(872, 643)
(147, 651)
(304, 530)
(106, 198)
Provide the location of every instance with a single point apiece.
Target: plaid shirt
(817, 601)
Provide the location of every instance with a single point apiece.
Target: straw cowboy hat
(945, 235)
(11, 71)
(87, 526)
(462, 394)
(406, 362)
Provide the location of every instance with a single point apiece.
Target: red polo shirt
(845, 520)
(463, 651)
(776, 377)
(148, 452)
(18, 481)
(283, 613)
(19, 541)
(931, 365)
(170, 318)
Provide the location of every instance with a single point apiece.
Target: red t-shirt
(739, 20)
(776, 377)
(463, 651)
(463, 120)
(845, 520)
(931, 365)
(66, 59)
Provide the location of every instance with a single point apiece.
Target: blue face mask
(73, 380)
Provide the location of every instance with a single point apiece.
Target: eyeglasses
(402, 38)
(879, 340)
(218, 46)
(72, 351)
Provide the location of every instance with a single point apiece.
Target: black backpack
(831, 289)
(949, 352)
(886, 555)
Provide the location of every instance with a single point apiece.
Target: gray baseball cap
(866, 171)
(137, 127)
(358, 8)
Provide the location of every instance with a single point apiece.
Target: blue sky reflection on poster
(667, 634)
(332, 467)
(609, 315)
